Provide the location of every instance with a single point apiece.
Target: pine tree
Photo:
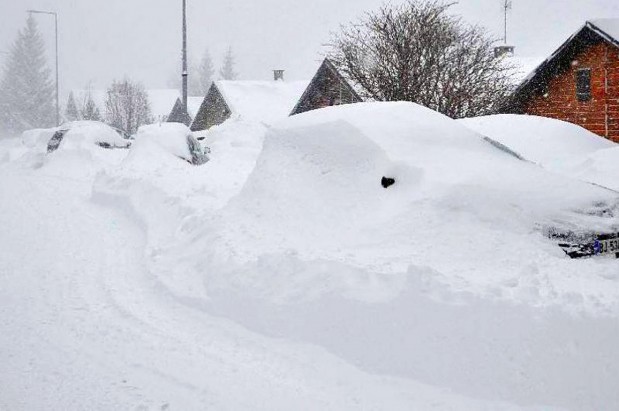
(26, 89)
(227, 69)
(206, 73)
(90, 111)
(71, 113)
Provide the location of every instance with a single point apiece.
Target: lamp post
(185, 57)
(53, 13)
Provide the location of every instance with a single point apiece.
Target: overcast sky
(105, 39)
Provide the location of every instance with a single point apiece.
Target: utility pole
(185, 57)
(53, 13)
(507, 6)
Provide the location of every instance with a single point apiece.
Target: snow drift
(283, 270)
(555, 145)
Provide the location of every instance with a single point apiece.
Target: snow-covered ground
(282, 275)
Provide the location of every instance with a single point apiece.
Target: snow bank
(556, 145)
(284, 269)
(171, 137)
(600, 167)
(444, 278)
(548, 142)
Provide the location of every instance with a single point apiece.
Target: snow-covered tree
(26, 88)
(71, 113)
(89, 110)
(206, 73)
(127, 106)
(416, 51)
(227, 69)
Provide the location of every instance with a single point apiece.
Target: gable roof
(178, 114)
(592, 31)
(265, 101)
(326, 66)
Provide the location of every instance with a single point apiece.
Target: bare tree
(417, 52)
(127, 106)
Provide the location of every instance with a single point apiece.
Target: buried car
(90, 132)
(176, 139)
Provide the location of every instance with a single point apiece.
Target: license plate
(610, 246)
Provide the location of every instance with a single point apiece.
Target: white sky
(105, 39)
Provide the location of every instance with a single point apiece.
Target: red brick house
(579, 82)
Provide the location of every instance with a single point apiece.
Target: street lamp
(53, 13)
(184, 84)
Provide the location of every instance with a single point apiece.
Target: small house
(270, 101)
(579, 82)
(327, 88)
(264, 101)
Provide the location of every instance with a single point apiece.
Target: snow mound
(90, 133)
(600, 167)
(548, 142)
(316, 192)
(324, 169)
(172, 137)
(37, 139)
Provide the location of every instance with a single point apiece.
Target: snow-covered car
(176, 139)
(90, 132)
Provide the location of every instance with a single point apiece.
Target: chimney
(504, 51)
(278, 75)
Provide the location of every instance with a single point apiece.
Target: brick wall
(601, 113)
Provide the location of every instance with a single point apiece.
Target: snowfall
(281, 275)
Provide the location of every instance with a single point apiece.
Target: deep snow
(282, 275)
(555, 145)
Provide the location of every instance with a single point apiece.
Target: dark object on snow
(199, 156)
(603, 244)
(387, 182)
(55, 141)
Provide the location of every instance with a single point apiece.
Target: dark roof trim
(326, 65)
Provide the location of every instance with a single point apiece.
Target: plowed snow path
(84, 326)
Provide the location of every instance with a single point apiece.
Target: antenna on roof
(507, 6)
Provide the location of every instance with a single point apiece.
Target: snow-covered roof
(265, 101)
(524, 65)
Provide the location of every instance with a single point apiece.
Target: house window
(583, 84)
